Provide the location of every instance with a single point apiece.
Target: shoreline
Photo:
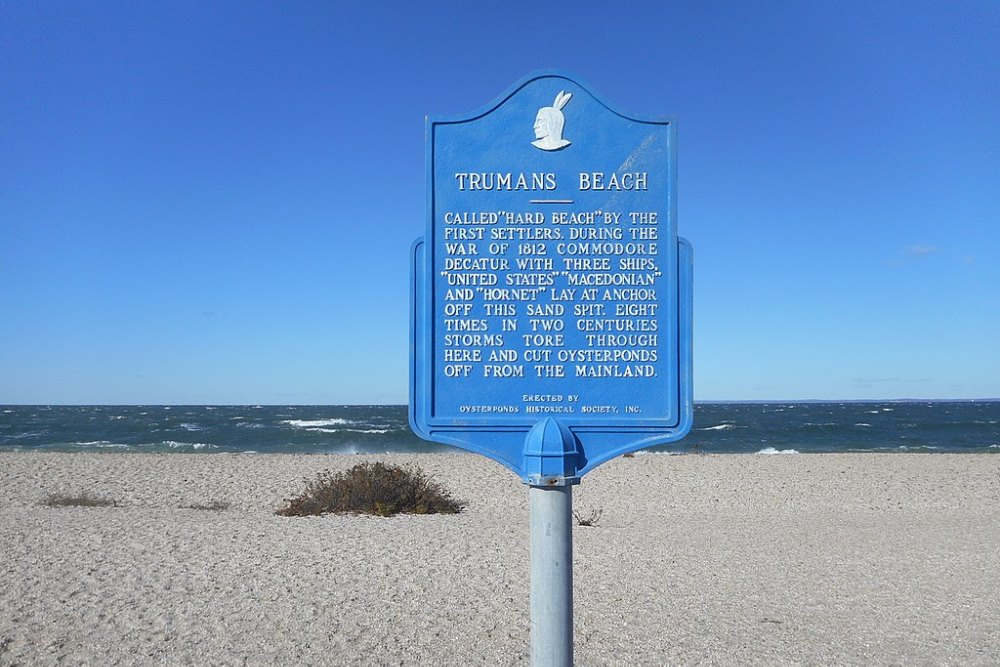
(445, 450)
(867, 558)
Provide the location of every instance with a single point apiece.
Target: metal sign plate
(551, 283)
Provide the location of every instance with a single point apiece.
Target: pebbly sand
(852, 559)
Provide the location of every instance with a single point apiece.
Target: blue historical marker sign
(551, 295)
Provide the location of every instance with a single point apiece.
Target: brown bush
(82, 500)
(372, 488)
(214, 506)
(595, 516)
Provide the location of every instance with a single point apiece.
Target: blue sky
(213, 202)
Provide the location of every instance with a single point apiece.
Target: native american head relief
(549, 124)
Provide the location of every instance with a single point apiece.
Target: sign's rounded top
(573, 84)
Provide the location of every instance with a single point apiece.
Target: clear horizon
(697, 402)
(214, 204)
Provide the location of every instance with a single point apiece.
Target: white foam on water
(863, 425)
(768, 451)
(315, 423)
(719, 427)
(192, 427)
(173, 444)
(102, 444)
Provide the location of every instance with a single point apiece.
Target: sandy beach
(852, 559)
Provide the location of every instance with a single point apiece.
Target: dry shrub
(214, 506)
(595, 516)
(81, 500)
(372, 488)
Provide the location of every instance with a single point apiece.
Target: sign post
(551, 304)
(551, 575)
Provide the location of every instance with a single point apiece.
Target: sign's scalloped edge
(511, 90)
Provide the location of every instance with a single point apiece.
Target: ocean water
(765, 428)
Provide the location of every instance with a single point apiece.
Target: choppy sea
(766, 428)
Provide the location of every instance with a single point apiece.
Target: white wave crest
(719, 427)
(102, 444)
(173, 444)
(315, 423)
(863, 425)
(767, 451)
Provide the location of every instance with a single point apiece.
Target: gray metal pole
(551, 575)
